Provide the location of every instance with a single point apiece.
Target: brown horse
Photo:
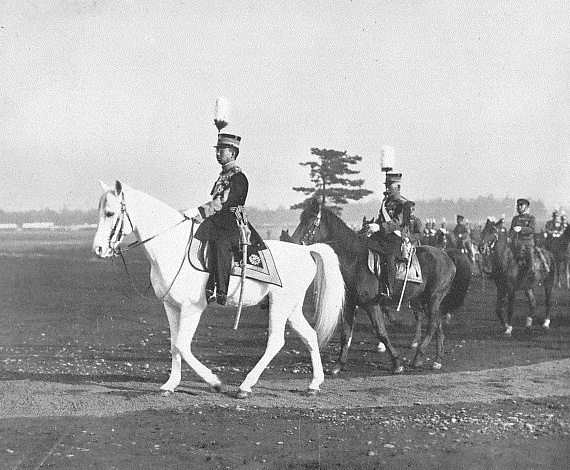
(443, 288)
(501, 265)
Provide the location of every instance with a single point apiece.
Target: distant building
(38, 226)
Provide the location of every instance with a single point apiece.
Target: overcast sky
(473, 96)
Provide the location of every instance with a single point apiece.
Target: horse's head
(285, 237)
(487, 245)
(363, 230)
(114, 222)
(309, 230)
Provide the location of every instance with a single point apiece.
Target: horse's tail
(329, 291)
(460, 285)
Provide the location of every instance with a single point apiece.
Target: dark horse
(500, 264)
(442, 289)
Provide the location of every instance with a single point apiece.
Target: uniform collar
(228, 166)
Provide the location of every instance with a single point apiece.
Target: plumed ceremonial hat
(387, 158)
(393, 178)
(522, 200)
(555, 212)
(228, 140)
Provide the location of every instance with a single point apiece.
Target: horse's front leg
(173, 315)
(377, 318)
(531, 307)
(499, 309)
(190, 315)
(279, 311)
(510, 309)
(346, 330)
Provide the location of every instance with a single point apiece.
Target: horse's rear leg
(417, 309)
(346, 330)
(548, 285)
(377, 318)
(434, 323)
(279, 310)
(308, 335)
(500, 307)
(189, 318)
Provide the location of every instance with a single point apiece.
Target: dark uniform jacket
(228, 194)
(528, 225)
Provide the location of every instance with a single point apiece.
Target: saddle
(414, 273)
(260, 264)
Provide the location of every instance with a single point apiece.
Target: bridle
(309, 237)
(117, 235)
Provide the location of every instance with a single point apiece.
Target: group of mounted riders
(392, 233)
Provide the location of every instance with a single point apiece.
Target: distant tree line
(475, 210)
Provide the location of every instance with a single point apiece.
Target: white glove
(191, 213)
(372, 228)
(517, 228)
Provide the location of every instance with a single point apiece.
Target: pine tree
(331, 184)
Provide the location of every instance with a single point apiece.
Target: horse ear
(118, 188)
(104, 186)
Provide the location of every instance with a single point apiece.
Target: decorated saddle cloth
(414, 273)
(260, 264)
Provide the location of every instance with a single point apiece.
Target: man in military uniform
(553, 227)
(391, 228)
(219, 217)
(523, 227)
(416, 233)
(462, 235)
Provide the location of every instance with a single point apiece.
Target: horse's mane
(339, 230)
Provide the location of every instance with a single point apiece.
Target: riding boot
(224, 265)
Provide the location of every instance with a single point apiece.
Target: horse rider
(223, 222)
(522, 231)
(500, 224)
(391, 229)
(462, 235)
(416, 234)
(554, 226)
(563, 223)
(442, 234)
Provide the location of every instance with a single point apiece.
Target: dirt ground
(82, 357)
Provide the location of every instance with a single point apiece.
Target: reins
(120, 252)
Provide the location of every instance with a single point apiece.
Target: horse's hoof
(242, 394)
(415, 345)
(528, 322)
(166, 393)
(381, 348)
(311, 392)
(334, 370)
(398, 370)
(417, 364)
(217, 387)
(546, 325)
(508, 330)
(436, 365)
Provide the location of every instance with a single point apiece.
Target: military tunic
(528, 226)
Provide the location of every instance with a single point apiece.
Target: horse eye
(109, 214)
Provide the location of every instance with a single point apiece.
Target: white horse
(181, 288)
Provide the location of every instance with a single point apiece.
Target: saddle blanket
(414, 274)
(260, 264)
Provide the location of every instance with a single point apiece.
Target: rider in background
(523, 227)
(416, 233)
(391, 230)
(462, 235)
(554, 227)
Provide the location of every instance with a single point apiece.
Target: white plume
(222, 116)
